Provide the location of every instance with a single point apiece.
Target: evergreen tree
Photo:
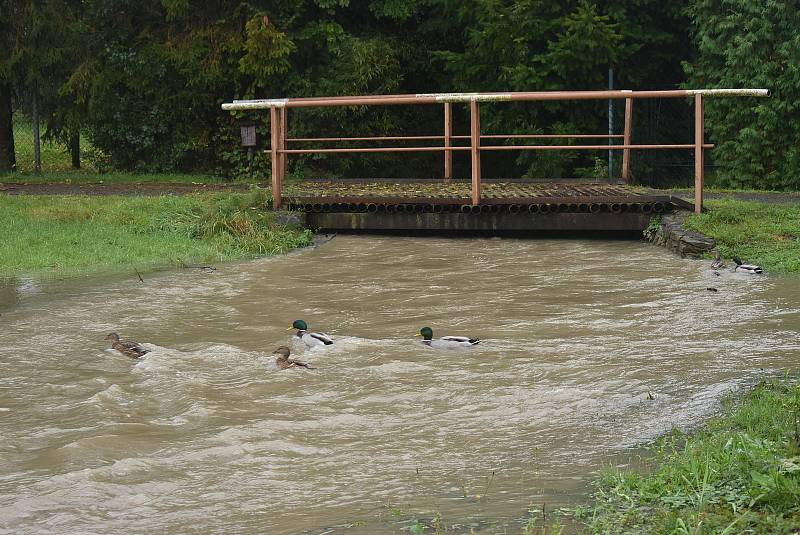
(751, 44)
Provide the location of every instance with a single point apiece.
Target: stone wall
(672, 235)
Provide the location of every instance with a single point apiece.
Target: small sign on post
(249, 135)
(249, 139)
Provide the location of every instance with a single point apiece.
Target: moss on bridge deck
(459, 192)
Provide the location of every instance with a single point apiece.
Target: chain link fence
(53, 155)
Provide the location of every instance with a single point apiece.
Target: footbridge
(476, 204)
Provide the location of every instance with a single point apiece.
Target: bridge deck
(341, 195)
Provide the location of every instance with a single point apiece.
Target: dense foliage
(751, 44)
(145, 79)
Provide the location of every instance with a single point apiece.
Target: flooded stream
(205, 435)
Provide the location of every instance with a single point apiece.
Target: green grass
(761, 233)
(739, 474)
(67, 235)
(93, 177)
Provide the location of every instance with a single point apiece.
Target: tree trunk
(75, 148)
(8, 160)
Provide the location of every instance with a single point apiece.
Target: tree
(750, 44)
(8, 160)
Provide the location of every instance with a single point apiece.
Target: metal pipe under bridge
(478, 204)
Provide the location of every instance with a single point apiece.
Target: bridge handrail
(279, 115)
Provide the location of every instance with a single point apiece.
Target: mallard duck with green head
(283, 360)
(747, 268)
(446, 342)
(134, 350)
(311, 339)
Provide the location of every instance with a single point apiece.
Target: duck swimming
(748, 268)
(718, 263)
(309, 338)
(446, 342)
(283, 361)
(133, 350)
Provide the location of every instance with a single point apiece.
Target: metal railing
(279, 120)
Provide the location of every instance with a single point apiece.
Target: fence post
(475, 138)
(274, 125)
(698, 153)
(626, 140)
(37, 141)
(448, 132)
(284, 133)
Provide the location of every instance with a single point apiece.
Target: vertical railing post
(626, 140)
(475, 138)
(274, 125)
(284, 134)
(698, 153)
(448, 133)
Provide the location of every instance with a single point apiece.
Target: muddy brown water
(204, 435)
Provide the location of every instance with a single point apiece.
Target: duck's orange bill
(290, 327)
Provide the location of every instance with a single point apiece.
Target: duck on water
(446, 342)
(311, 339)
(130, 349)
(284, 361)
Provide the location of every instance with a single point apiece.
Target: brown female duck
(283, 361)
(133, 350)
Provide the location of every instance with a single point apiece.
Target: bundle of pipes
(536, 208)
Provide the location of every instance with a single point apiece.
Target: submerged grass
(739, 474)
(66, 235)
(761, 233)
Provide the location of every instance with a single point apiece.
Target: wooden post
(626, 140)
(448, 132)
(475, 137)
(274, 124)
(284, 134)
(698, 153)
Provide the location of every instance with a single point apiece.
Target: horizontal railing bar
(544, 136)
(372, 149)
(439, 98)
(491, 147)
(376, 138)
(484, 136)
(591, 147)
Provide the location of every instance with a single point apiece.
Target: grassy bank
(761, 233)
(65, 235)
(739, 474)
(71, 176)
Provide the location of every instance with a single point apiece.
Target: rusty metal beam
(284, 134)
(440, 98)
(475, 130)
(368, 138)
(274, 122)
(698, 153)
(626, 153)
(448, 133)
(372, 149)
(591, 147)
